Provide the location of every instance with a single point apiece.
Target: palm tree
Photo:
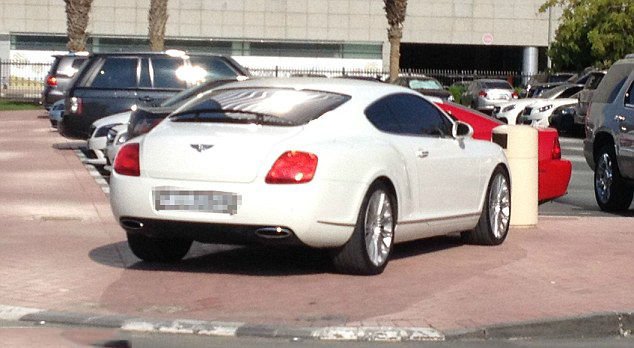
(395, 13)
(157, 19)
(76, 23)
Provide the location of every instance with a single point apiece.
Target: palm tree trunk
(394, 36)
(77, 14)
(157, 19)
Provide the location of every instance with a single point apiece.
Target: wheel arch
(601, 139)
(390, 185)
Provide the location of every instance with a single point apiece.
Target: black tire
(158, 249)
(610, 190)
(493, 226)
(354, 257)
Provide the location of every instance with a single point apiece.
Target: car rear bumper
(554, 177)
(76, 127)
(319, 214)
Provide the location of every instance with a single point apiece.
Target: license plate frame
(203, 201)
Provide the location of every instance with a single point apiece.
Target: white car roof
(122, 117)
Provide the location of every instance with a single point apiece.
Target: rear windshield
(268, 106)
(497, 85)
(424, 84)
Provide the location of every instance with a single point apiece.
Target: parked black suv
(114, 82)
(609, 143)
(64, 67)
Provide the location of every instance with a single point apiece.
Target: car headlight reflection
(122, 138)
(508, 108)
(545, 108)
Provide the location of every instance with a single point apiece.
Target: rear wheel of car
(610, 190)
(152, 249)
(368, 250)
(493, 226)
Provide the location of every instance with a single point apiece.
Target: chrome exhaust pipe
(131, 224)
(273, 232)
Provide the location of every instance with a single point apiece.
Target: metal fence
(446, 77)
(24, 81)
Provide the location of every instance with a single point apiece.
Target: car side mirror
(461, 130)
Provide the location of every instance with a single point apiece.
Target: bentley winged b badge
(201, 147)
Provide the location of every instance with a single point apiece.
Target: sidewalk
(62, 252)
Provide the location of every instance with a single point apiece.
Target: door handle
(146, 98)
(619, 118)
(422, 153)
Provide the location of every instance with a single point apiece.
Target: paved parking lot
(62, 250)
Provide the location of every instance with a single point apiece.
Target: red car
(554, 172)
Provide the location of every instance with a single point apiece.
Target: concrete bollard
(520, 146)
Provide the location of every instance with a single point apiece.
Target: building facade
(470, 34)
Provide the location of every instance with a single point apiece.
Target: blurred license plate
(201, 201)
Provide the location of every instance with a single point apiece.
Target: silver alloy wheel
(379, 227)
(499, 206)
(603, 178)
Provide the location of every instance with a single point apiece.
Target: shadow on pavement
(257, 260)
(71, 145)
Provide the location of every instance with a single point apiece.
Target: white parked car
(99, 132)
(116, 137)
(538, 114)
(349, 165)
(510, 112)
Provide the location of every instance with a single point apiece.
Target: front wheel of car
(610, 190)
(368, 250)
(493, 226)
(153, 249)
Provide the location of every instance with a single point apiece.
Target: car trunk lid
(210, 152)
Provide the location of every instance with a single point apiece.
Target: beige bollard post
(520, 146)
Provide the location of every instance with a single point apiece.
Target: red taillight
(515, 95)
(51, 81)
(127, 160)
(556, 154)
(482, 94)
(292, 167)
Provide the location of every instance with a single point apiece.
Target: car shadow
(255, 260)
(70, 145)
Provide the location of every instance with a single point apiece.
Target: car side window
(629, 96)
(381, 117)
(165, 73)
(408, 114)
(144, 78)
(116, 73)
(418, 116)
(214, 67)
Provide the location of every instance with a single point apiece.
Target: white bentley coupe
(349, 165)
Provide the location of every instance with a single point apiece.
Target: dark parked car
(539, 84)
(585, 96)
(424, 85)
(143, 119)
(63, 69)
(609, 143)
(114, 82)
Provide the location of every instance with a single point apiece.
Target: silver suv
(609, 143)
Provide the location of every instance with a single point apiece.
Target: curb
(218, 328)
(588, 326)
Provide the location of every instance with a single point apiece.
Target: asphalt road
(579, 201)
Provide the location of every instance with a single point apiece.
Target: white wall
(509, 22)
